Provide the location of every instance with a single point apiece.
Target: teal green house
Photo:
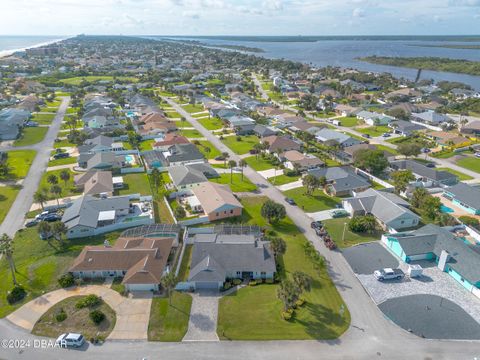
(464, 196)
(451, 253)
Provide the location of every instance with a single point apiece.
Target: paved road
(377, 140)
(15, 217)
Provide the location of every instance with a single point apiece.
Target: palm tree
(52, 179)
(58, 230)
(231, 164)
(40, 197)
(44, 229)
(6, 249)
(156, 178)
(65, 176)
(242, 163)
(56, 191)
(225, 158)
(168, 282)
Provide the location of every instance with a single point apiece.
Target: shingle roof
(214, 196)
(422, 170)
(466, 194)
(342, 178)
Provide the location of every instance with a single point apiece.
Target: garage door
(141, 287)
(206, 285)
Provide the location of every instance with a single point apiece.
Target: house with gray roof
(424, 176)
(464, 196)
(187, 176)
(451, 253)
(431, 118)
(264, 131)
(90, 216)
(11, 122)
(390, 210)
(330, 137)
(219, 257)
(405, 128)
(341, 180)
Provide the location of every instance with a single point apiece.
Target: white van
(70, 340)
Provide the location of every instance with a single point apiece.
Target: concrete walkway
(61, 167)
(321, 215)
(133, 312)
(202, 325)
(271, 173)
(289, 186)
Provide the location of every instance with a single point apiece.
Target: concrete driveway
(133, 312)
(289, 186)
(202, 325)
(270, 173)
(321, 215)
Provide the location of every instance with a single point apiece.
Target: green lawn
(8, 195)
(258, 164)
(145, 145)
(68, 188)
(374, 131)
(348, 121)
(470, 163)
(190, 108)
(62, 143)
(237, 185)
(317, 202)
(39, 263)
(43, 119)
(63, 161)
(200, 115)
(283, 179)
(135, 184)
(78, 80)
(190, 133)
(185, 265)
(461, 176)
(183, 124)
(335, 229)
(161, 212)
(386, 148)
(30, 136)
(169, 322)
(19, 162)
(203, 144)
(212, 123)
(318, 319)
(172, 114)
(243, 146)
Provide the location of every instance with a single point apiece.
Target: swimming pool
(446, 209)
(130, 159)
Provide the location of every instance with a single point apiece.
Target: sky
(240, 17)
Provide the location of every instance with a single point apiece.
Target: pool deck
(456, 210)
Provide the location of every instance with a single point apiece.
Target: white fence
(374, 178)
(195, 221)
(132, 170)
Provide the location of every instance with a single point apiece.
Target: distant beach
(12, 44)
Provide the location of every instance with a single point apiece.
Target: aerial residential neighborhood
(164, 190)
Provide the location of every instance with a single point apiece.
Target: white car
(70, 340)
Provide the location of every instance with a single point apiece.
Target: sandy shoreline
(4, 53)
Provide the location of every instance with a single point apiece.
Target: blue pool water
(129, 158)
(446, 209)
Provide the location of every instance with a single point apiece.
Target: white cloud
(358, 13)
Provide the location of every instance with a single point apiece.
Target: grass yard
(63, 143)
(317, 202)
(386, 148)
(258, 164)
(461, 176)
(8, 194)
(19, 162)
(283, 179)
(161, 212)
(374, 131)
(145, 145)
(92, 79)
(39, 263)
(470, 163)
(212, 123)
(185, 265)
(335, 229)
(200, 115)
(63, 161)
(135, 184)
(68, 188)
(169, 321)
(43, 119)
(348, 121)
(190, 133)
(191, 108)
(77, 321)
(172, 114)
(203, 145)
(318, 319)
(237, 185)
(31, 136)
(243, 146)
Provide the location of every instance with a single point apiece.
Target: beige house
(217, 201)
(95, 182)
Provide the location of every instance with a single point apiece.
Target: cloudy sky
(239, 17)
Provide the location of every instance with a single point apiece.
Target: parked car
(219, 158)
(70, 340)
(31, 124)
(290, 201)
(316, 224)
(430, 165)
(31, 223)
(61, 155)
(477, 154)
(425, 150)
(338, 213)
(253, 151)
(389, 274)
(385, 135)
(52, 218)
(366, 136)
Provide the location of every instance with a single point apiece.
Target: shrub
(300, 302)
(268, 281)
(362, 224)
(180, 212)
(97, 316)
(237, 282)
(239, 138)
(470, 221)
(227, 285)
(287, 315)
(88, 301)
(252, 283)
(61, 316)
(66, 280)
(17, 294)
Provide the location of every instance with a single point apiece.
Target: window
(402, 222)
(231, 211)
(218, 214)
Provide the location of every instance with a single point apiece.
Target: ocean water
(343, 52)
(9, 43)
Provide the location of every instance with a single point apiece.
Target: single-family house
(294, 159)
(263, 131)
(341, 180)
(424, 176)
(331, 137)
(95, 182)
(281, 143)
(169, 140)
(431, 118)
(472, 128)
(217, 201)
(188, 176)
(374, 119)
(464, 196)
(445, 138)
(390, 210)
(405, 128)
